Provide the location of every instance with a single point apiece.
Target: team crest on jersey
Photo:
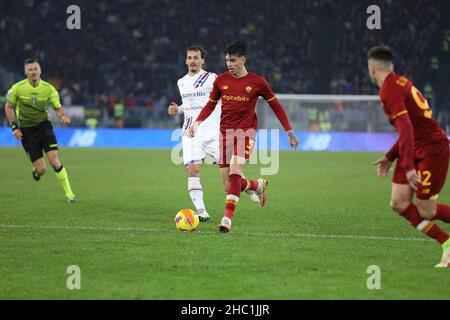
(248, 89)
(402, 81)
(225, 87)
(33, 101)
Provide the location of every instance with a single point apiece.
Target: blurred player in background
(31, 98)
(422, 151)
(239, 91)
(195, 88)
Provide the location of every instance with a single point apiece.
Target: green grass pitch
(326, 221)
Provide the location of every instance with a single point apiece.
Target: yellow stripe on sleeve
(399, 114)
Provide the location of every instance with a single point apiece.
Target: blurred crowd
(133, 51)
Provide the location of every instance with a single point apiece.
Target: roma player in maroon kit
(422, 151)
(239, 91)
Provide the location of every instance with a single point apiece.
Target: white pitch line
(268, 234)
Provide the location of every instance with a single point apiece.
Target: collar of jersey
(199, 74)
(40, 82)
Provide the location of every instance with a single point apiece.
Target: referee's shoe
(36, 177)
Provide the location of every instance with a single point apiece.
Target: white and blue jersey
(194, 91)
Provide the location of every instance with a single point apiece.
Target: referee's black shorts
(38, 138)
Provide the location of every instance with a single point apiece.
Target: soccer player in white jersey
(195, 88)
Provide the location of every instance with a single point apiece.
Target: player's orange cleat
(261, 191)
(225, 225)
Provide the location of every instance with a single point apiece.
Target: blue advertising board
(167, 138)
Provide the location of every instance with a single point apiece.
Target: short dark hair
(198, 47)
(236, 48)
(381, 53)
(31, 60)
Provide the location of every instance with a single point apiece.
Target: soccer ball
(186, 220)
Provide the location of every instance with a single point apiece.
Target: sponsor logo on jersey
(236, 98)
(189, 108)
(193, 94)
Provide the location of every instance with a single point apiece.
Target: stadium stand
(134, 50)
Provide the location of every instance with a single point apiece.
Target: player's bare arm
(413, 179)
(293, 140)
(174, 109)
(11, 116)
(64, 119)
(193, 129)
(383, 167)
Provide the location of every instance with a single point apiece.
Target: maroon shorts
(238, 143)
(432, 167)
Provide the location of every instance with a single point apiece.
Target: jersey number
(421, 102)
(426, 175)
(250, 144)
(187, 123)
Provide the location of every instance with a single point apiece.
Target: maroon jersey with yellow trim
(399, 97)
(239, 97)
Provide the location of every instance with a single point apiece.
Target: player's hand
(383, 166)
(293, 140)
(193, 129)
(17, 134)
(65, 120)
(173, 109)
(413, 179)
